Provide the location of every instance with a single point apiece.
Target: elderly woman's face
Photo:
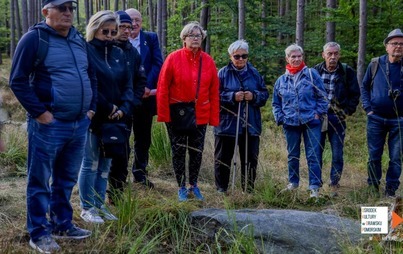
(106, 32)
(194, 39)
(239, 58)
(295, 59)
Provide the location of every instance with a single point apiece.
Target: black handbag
(113, 140)
(183, 114)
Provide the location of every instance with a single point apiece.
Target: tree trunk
(204, 17)
(281, 13)
(362, 41)
(164, 39)
(116, 5)
(299, 33)
(151, 15)
(87, 11)
(12, 27)
(18, 20)
(241, 19)
(330, 25)
(24, 9)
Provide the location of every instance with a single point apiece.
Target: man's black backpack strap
(43, 46)
(374, 69)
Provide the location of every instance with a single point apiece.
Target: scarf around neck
(294, 70)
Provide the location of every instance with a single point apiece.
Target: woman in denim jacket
(299, 103)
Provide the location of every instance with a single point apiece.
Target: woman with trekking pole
(242, 94)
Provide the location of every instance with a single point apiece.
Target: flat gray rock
(281, 231)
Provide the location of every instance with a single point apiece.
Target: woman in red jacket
(178, 82)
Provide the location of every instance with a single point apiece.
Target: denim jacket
(297, 98)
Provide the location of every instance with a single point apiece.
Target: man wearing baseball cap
(382, 99)
(58, 91)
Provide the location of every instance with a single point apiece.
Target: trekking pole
(246, 146)
(236, 146)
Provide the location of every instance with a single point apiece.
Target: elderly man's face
(394, 47)
(295, 59)
(137, 23)
(60, 17)
(331, 56)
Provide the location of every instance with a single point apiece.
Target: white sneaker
(292, 186)
(107, 214)
(314, 193)
(91, 215)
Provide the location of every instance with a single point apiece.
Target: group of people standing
(117, 76)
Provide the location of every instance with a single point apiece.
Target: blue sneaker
(196, 193)
(183, 194)
(72, 233)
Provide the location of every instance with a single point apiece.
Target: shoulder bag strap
(198, 79)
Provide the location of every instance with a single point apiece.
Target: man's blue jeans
(336, 133)
(311, 133)
(377, 130)
(55, 152)
(93, 178)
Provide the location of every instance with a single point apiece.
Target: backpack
(374, 68)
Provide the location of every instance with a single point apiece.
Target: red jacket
(178, 83)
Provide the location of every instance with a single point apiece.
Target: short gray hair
(239, 44)
(189, 27)
(97, 20)
(293, 47)
(331, 44)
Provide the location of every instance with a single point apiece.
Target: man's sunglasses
(107, 31)
(63, 8)
(237, 57)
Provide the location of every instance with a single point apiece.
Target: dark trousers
(193, 143)
(118, 171)
(224, 151)
(142, 124)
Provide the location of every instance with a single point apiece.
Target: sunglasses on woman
(107, 31)
(63, 8)
(237, 57)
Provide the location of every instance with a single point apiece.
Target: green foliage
(160, 149)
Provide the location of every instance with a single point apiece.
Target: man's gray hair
(293, 47)
(239, 44)
(331, 44)
(97, 20)
(189, 28)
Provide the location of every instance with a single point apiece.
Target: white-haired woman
(185, 74)
(299, 103)
(115, 95)
(243, 92)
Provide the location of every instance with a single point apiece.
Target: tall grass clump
(160, 149)
(13, 160)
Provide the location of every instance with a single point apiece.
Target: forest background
(153, 221)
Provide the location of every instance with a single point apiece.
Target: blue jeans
(377, 130)
(55, 151)
(311, 132)
(336, 133)
(93, 178)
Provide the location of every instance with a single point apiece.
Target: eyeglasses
(107, 31)
(63, 8)
(137, 20)
(123, 28)
(237, 57)
(395, 44)
(194, 36)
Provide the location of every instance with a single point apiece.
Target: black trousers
(142, 125)
(118, 171)
(193, 143)
(223, 155)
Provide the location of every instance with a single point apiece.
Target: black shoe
(145, 182)
(390, 193)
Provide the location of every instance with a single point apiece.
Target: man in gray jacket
(58, 91)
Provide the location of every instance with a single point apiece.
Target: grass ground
(153, 221)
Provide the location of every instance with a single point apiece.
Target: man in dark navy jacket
(382, 100)
(343, 93)
(59, 94)
(147, 45)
